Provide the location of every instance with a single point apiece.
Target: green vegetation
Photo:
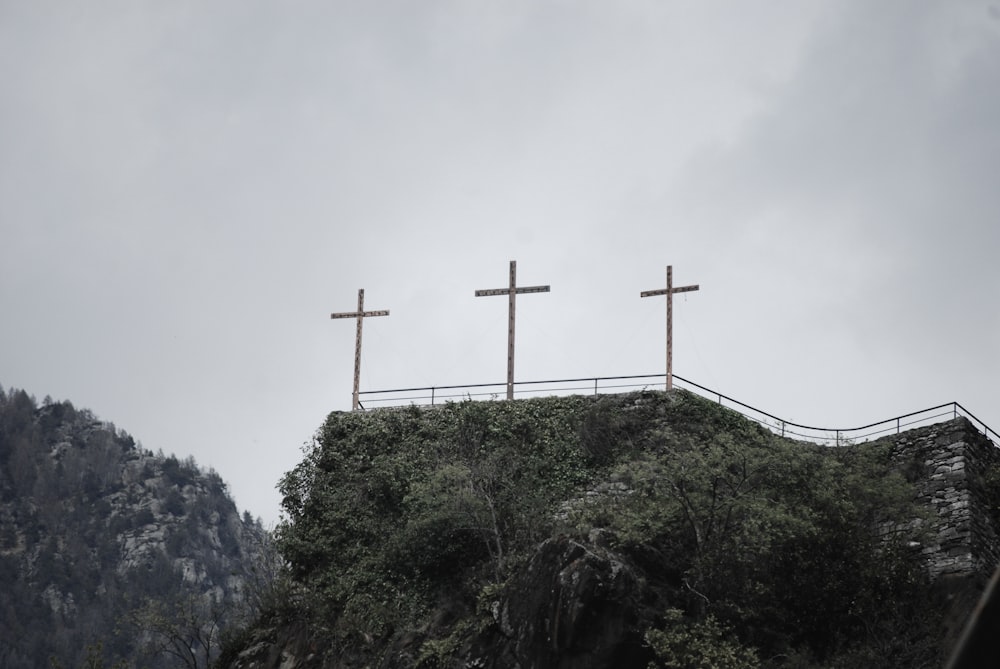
(392, 511)
(404, 527)
(696, 644)
(434, 538)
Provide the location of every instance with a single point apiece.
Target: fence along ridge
(775, 423)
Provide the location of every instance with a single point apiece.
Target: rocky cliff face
(107, 545)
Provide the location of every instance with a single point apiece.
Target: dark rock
(573, 607)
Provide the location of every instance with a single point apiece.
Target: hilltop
(110, 553)
(648, 529)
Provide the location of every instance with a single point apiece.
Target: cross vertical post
(511, 291)
(360, 314)
(510, 328)
(669, 292)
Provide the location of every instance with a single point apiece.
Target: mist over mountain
(110, 554)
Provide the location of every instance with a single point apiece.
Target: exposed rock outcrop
(104, 541)
(573, 607)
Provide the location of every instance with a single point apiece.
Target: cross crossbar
(355, 314)
(506, 291)
(663, 291)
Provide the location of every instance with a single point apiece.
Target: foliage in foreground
(756, 551)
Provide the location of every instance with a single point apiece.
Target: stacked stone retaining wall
(950, 465)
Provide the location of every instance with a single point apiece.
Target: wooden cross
(669, 292)
(511, 292)
(360, 315)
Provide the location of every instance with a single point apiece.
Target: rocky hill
(110, 553)
(638, 531)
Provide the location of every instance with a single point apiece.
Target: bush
(697, 644)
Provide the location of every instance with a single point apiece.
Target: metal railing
(435, 395)
(431, 395)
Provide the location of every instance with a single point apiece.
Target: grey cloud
(187, 190)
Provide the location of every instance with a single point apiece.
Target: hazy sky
(188, 189)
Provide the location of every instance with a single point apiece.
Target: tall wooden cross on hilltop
(360, 315)
(511, 291)
(669, 292)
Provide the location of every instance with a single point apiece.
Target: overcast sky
(188, 189)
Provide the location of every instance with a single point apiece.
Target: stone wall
(948, 465)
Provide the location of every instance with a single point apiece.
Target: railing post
(432, 395)
(595, 386)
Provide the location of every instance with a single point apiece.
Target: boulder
(573, 607)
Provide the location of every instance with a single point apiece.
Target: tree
(263, 571)
(448, 517)
(94, 659)
(778, 539)
(187, 629)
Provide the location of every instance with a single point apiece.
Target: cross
(359, 314)
(669, 292)
(511, 292)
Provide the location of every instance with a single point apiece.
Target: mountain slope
(110, 552)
